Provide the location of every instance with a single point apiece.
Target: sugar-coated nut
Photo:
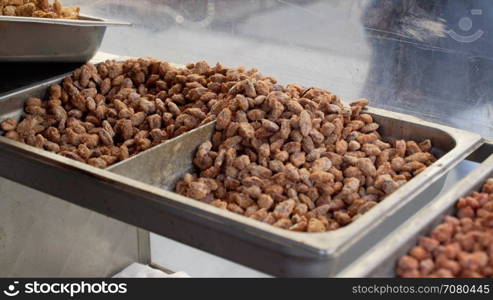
(443, 232)
(33, 101)
(419, 253)
(9, 124)
(265, 201)
(284, 209)
(407, 263)
(223, 119)
(315, 225)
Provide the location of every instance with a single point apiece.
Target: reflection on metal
(27, 39)
(352, 48)
(44, 236)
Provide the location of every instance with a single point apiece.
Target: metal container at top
(381, 260)
(27, 39)
(139, 191)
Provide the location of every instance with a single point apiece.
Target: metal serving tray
(26, 39)
(381, 260)
(136, 191)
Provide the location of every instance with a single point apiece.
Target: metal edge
(413, 227)
(85, 21)
(143, 246)
(24, 89)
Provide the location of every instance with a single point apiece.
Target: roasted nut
(9, 124)
(315, 225)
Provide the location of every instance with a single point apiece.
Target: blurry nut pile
(38, 9)
(289, 156)
(461, 246)
(298, 158)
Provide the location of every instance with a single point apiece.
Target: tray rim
(85, 21)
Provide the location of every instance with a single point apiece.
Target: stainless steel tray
(51, 40)
(141, 199)
(381, 260)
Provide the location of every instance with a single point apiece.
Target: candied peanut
(305, 123)
(220, 204)
(342, 218)
(9, 124)
(283, 223)
(265, 201)
(371, 149)
(370, 127)
(269, 125)
(397, 163)
(315, 225)
(366, 166)
(223, 119)
(97, 162)
(425, 146)
(421, 157)
(284, 209)
(255, 114)
(354, 145)
(198, 190)
(419, 253)
(322, 164)
(105, 137)
(360, 102)
(33, 101)
(400, 146)
(341, 147)
(413, 166)
(408, 263)
(246, 130)
(367, 138)
(412, 147)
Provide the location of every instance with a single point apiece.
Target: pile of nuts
(461, 246)
(106, 113)
(298, 158)
(38, 9)
(288, 156)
